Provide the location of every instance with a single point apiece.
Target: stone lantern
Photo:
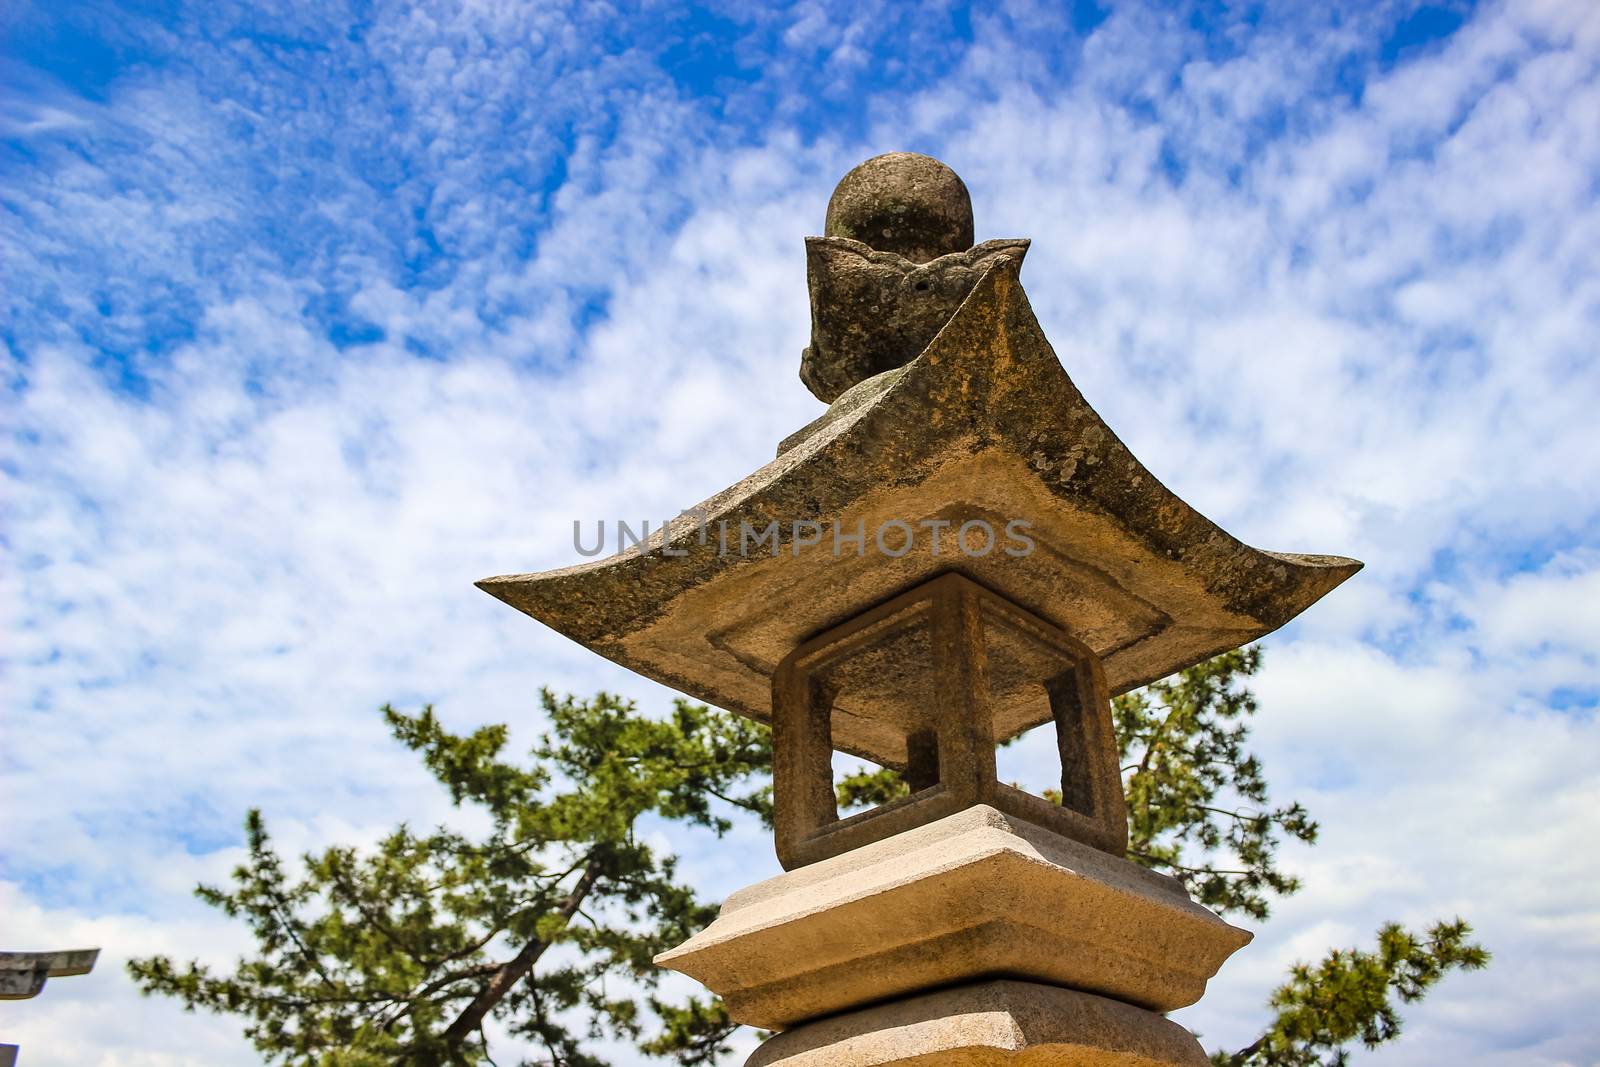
(956, 551)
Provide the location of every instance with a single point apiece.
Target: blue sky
(317, 313)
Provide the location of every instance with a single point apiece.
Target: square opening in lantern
(878, 684)
(933, 676)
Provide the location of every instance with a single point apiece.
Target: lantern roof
(981, 441)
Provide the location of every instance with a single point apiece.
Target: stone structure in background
(23, 975)
(956, 551)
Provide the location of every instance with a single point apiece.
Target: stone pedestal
(991, 1024)
(975, 939)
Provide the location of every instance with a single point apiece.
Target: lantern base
(991, 1024)
(976, 895)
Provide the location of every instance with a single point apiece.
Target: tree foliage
(1350, 996)
(1197, 801)
(1199, 810)
(404, 954)
(544, 925)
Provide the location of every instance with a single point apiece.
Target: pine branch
(511, 972)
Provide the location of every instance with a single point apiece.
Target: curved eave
(985, 422)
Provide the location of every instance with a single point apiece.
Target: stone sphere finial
(905, 203)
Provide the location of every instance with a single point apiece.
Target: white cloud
(1375, 338)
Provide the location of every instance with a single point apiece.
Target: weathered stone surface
(992, 1024)
(872, 311)
(905, 203)
(23, 974)
(973, 896)
(940, 663)
(984, 425)
(896, 262)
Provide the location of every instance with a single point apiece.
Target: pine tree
(546, 924)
